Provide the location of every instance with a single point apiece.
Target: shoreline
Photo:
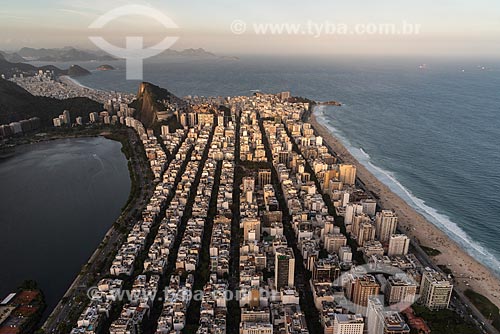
(441, 219)
(106, 246)
(72, 82)
(47, 136)
(419, 229)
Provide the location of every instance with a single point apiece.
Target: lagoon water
(57, 201)
(430, 131)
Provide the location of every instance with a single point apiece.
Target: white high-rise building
(345, 254)
(373, 321)
(386, 223)
(351, 210)
(333, 242)
(382, 321)
(398, 245)
(348, 324)
(369, 207)
(435, 290)
(400, 288)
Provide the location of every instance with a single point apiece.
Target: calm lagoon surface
(57, 201)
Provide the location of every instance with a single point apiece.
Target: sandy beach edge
(72, 82)
(465, 268)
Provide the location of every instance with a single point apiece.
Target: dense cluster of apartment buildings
(18, 128)
(45, 83)
(125, 261)
(213, 309)
(289, 230)
(342, 290)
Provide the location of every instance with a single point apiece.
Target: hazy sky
(461, 27)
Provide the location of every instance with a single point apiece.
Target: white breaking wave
(440, 220)
(364, 153)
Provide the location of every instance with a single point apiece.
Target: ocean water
(430, 131)
(58, 200)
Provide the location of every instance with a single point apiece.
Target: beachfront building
(435, 290)
(386, 223)
(347, 174)
(398, 245)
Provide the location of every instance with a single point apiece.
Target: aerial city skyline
(252, 168)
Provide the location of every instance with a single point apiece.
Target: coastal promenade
(72, 299)
(468, 272)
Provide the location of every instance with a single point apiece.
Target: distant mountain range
(195, 53)
(71, 54)
(17, 104)
(67, 54)
(187, 52)
(12, 57)
(10, 68)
